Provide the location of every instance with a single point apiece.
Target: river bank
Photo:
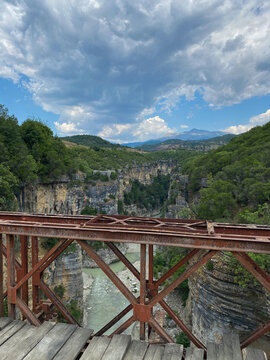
(102, 300)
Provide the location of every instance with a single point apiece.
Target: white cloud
(150, 128)
(110, 131)
(184, 126)
(98, 63)
(67, 128)
(260, 119)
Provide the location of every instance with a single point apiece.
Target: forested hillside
(30, 153)
(90, 141)
(238, 179)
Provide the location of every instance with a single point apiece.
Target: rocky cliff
(66, 271)
(217, 304)
(70, 197)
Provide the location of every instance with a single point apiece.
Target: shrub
(74, 310)
(113, 176)
(59, 291)
(182, 338)
(89, 210)
(210, 265)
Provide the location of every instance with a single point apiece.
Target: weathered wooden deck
(18, 341)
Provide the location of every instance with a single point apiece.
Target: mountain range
(194, 134)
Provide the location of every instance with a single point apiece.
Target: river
(105, 300)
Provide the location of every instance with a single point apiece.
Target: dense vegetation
(28, 152)
(238, 176)
(238, 188)
(148, 196)
(198, 145)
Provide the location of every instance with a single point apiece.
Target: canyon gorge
(215, 303)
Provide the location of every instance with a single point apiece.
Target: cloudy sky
(136, 70)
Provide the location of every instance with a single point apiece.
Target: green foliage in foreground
(181, 338)
(243, 277)
(164, 260)
(74, 310)
(72, 306)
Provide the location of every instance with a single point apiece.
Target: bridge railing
(203, 238)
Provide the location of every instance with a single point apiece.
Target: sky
(136, 70)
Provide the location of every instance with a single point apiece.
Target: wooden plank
(136, 350)
(214, 350)
(74, 345)
(231, 347)
(10, 330)
(20, 344)
(117, 347)
(96, 348)
(52, 342)
(154, 352)
(173, 352)
(194, 354)
(4, 322)
(253, 354)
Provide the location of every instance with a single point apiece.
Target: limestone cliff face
(66, 197)
(66, 271)
(177, 196)
(216, 304)
(70, 197)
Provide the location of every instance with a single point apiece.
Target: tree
(8, 186)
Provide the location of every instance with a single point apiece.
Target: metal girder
(200, 234)
(1, 279)
(194, 234)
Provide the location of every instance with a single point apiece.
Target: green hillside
(238, 179)
(198, 145)
(90, 141)
(30, 153)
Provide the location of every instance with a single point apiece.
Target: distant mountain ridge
(172, 142)
(193, 134)
(197, 145)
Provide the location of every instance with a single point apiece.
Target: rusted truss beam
(170, 232)
(157, 237)
(176, 225)
(1, 280)
(195, 234)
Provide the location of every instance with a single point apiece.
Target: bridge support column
(21, 272)
(11, 275)
(35, 277)
(142, 287)
(1, 279)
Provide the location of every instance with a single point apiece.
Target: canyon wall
(70, 197)
(217, 304)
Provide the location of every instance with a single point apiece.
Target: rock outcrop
(218, 304)
(70, 197)
(66, 271)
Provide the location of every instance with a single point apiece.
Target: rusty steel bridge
(203, 238)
